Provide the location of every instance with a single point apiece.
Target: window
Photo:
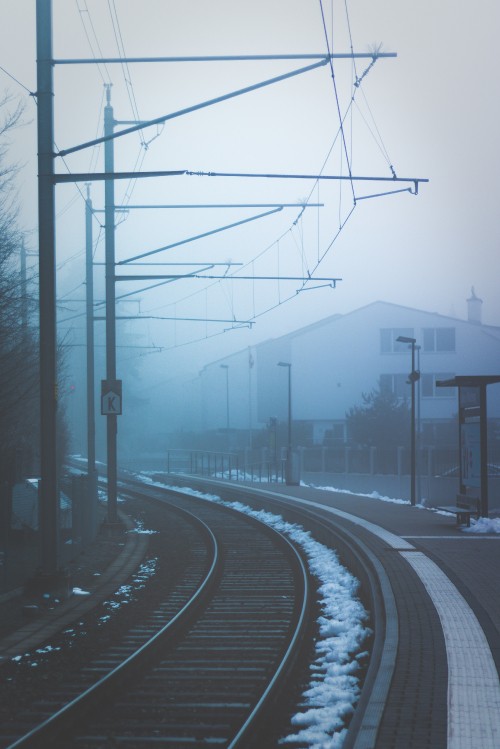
(429, 389)
(388, 342)
(396, 384)
(439, 339)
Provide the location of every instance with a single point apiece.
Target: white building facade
(337, 360)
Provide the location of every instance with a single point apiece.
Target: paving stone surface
(445, 693)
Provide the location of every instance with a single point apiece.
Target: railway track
(205, 664)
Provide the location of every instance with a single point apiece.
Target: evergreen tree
(382, 421)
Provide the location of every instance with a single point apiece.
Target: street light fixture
(413, 378)
(288, 469)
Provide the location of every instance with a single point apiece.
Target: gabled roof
(494, 330)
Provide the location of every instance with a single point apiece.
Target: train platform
(441, 686)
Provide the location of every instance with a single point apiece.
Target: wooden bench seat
(464, 508)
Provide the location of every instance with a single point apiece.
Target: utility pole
(226, 367)
(91, 506)
(288, 467)
(250, 366)
(48, 487)
(109, 220)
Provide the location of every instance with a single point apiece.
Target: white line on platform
(473, 683)
(471, 537)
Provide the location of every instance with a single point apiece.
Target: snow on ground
(333, 689)
(124, 595)
(372, 495)
(482, 525)
(334, 686)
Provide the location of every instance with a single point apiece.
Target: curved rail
(376, 591)
(243, 725)
(73, 711)
(283, 666)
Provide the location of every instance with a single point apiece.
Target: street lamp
(413, 378)
(418, 438)
(226, 367)
(288, 470)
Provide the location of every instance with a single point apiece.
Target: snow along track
(473, 682)
(473, 686)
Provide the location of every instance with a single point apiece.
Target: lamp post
(413, 378)
(226, 367)
(418, 440)
(288, 470)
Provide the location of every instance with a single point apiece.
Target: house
(337, 359)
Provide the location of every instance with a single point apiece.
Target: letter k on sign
(111, 397)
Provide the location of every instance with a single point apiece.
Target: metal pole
(49, 490)
(227, 403)
(226, 367)
(289, 460)
(412, 446)
(109, 214)
(414, 376)
(483, 430)
(250, 365)
(288, 466)
(91, 500)
(418, 440)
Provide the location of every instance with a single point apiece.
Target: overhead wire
(106, 78)
(377, 138)
(129, 87)
(347, 154)
(16, 80)
(133, 103)
(124, 65)
(336, 94)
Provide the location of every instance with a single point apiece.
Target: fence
(431, 461)
(361, 470)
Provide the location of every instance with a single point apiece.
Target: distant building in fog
(336, 360)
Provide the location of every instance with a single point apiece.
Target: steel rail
(57, 723)
(58, 727)
(249, 725)
(376, 593)
(254, 718)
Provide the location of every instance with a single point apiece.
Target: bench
(464, 508)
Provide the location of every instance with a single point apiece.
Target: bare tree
(19, 389)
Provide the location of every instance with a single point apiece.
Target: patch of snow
(80, 592)
(47, 649)
(484, 525)
(372, 495)
(139, 528)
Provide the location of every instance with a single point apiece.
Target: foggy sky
(434, 107)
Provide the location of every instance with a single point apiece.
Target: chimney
(474, 305)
